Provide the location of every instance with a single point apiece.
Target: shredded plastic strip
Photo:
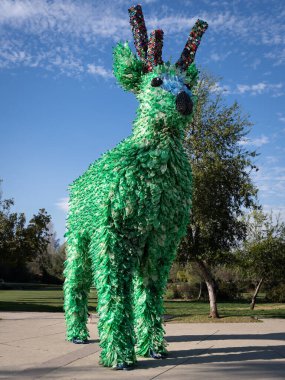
(139, 31)
(127, 214)
(193, 41)
(154, 52)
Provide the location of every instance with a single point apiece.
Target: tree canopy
(222, 184)
(20, 242)
(262, 256)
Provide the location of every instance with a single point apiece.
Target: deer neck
(157, 130)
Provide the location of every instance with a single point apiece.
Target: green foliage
(185, 291)
(182, 290)
(185, 273)
(171, 292)
(228, 291)
(20, 243)
(221, 170)
(276, 293)
(57, 263)
(48, 268)
(222, 187)
(262, 255)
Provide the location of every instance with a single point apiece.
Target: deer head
(164, 90)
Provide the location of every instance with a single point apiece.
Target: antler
(150, 52)
(189, 51)
(154, 49)
(139, 31)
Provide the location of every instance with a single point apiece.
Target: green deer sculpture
(129, 210)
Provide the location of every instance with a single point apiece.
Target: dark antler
(139, 31)
(154, 50)
(188, 54)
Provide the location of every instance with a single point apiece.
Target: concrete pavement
(32, 346)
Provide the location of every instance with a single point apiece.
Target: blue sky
(61, 108)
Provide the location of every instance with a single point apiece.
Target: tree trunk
(211, 286)
(213, 299)
(200, 291)
(257, 289)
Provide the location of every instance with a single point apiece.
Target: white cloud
(281, 117)
(217, 57)
(277, 56)
(219, 88)
(81, 19)
(257, 142)
(62, 204)
(272, 159)
(43, 26)
(256, 62)
(275, 89)
(258, 88)
(255, 88)
(271, 181)
(60, 34)
(99, 70)
(278, 211)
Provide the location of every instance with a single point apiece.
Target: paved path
(32, 346)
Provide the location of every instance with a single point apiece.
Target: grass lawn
(50, 298)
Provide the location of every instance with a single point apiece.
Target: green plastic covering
(127, 215)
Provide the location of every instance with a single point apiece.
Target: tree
(37, 232)
(13, 250)
(222, 187)
(50, 264)
(262, 256)
(20, 243)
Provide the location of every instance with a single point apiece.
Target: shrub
(182, 290)
(228, 291)
(185, 291)
(169, 294)
(276, 294)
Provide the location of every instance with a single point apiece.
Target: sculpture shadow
(199, 338)
(252, 360)
(214, 355)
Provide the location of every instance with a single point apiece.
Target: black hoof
(79, 341)
(157, 355)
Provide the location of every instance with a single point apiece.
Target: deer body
(127, 215)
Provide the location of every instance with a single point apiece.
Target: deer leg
(113, 279)
(78, 279)
(149, 286)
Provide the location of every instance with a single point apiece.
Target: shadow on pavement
(199, 338)
(249, 359)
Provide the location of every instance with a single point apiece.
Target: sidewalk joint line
(66, 364)
(203, 340)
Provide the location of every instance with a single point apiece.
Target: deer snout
(184, 104)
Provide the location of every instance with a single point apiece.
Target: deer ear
(128, 69)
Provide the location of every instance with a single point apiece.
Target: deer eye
(156, 82)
